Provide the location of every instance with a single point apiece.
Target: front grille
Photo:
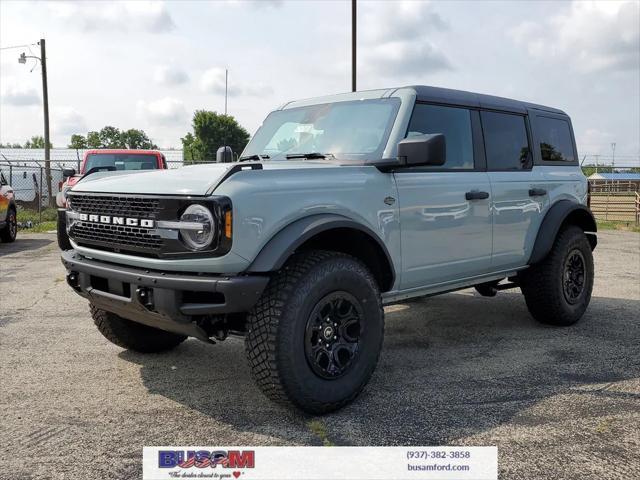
(116, 237)
(115, 205)
(112, 222)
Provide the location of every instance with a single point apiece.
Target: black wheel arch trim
(555, 218)
(284, 243)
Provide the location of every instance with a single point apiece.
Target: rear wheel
(132, 335)
(558, 289)
(315, 336)
(10, 230)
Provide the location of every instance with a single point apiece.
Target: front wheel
(131, 335)
(558, 289)
(315, 336)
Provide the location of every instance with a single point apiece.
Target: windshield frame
(357, 158)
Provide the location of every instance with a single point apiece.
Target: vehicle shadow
(452, 366)
(23, 245)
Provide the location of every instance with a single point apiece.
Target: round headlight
(198, 238)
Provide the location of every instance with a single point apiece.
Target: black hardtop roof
(460, 97)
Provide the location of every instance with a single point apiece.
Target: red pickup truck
(100, 161)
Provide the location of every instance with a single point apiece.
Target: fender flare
(280, 247)
(557, 215)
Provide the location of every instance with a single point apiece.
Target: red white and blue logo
(235, 459)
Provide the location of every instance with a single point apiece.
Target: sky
(150, 65)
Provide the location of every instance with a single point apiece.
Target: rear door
(519, 196)
(444, 211)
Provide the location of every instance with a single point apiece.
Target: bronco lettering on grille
(109, 220)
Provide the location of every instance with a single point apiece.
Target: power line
(19, 46)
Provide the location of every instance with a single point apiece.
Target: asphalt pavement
(458, 369)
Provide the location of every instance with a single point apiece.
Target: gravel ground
(458, 369)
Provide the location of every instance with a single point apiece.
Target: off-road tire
(543, 284)
(132, 335)
(9, 232)
(275, 341)
(63, 238)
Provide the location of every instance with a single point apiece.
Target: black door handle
(537, 192)
(476, 195)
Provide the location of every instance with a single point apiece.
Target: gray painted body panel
(189, 180)
(444, 236)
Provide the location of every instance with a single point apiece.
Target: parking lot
(457, 369)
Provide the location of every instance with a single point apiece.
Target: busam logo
(206, 459)
(110, 220)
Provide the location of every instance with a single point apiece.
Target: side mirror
(68, 172)
(224, 155)
(427, 149)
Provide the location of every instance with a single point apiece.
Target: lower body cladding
(177, 303)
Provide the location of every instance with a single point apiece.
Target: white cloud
(213, 81)
(151, 17)
(399, 37)
(590, 36)
(67, 121)
(255, 3)
(17, 94)
(165, 111)
(169, 75)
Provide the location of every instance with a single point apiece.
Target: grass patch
(48, 215)
(612, 225)
(48, 223)
(43, 227)
(320, 430)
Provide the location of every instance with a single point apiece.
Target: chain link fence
(26, 171)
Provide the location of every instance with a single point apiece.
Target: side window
(506, 141)
(555, 139)
(454, 123)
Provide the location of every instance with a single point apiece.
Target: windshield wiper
(255, 156)
(309, 156)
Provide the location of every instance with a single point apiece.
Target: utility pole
(45, 101)
(226, 83)
(353, 45)
(613, 157)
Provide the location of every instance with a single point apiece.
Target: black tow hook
(145, 297)
(73, 280)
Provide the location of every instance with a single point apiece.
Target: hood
(190, 180)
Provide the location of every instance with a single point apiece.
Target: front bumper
(172, 302)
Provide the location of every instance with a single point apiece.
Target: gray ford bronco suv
(338, 206)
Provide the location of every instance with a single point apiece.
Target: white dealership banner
(320, 463)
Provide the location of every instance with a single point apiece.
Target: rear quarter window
(556, 144)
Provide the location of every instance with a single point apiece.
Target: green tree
(136, 139)
(77, 142)
(93, 140)
(211, 131)
(112, 137)
(37, 141)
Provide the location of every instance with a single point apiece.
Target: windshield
(121, 161)
(356, 130)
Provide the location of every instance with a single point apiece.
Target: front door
(445, 218)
